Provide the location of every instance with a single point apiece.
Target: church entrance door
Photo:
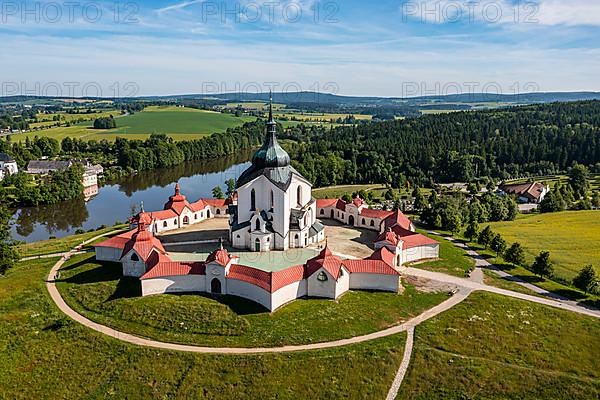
(215, 286)
(257, 245)
(351, 220)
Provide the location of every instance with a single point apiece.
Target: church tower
(275, 208)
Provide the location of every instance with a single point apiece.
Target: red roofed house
(406, 245)
(356, 213)
(178, 212)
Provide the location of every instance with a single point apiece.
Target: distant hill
(332, 99)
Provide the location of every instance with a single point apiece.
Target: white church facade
(275, 209)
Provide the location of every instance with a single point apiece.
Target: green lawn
(493, 347)
(62, 245)
(178, 123)
(45, 355)
(571, 237)
(453, 260)
(97, 291)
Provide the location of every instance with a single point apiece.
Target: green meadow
(45, 355)
(176, 122)
(571, 237)
(494, 347)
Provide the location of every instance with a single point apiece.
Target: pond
(116, 201)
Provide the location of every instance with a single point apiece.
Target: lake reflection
(114, 201)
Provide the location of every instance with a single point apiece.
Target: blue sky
(350, 47)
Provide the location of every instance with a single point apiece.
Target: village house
(8, 166)
(528, 192)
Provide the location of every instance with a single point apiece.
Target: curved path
(465, 288)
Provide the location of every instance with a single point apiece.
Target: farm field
(493, 347)
(46, 119)
(97, 291)
(48, 356)
(571, 237)
(178, 123)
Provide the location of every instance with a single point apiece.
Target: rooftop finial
(221, 243)
(177, 190)
(142, 206)
(271, 107)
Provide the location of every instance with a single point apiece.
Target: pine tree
(515, 254)
(472, 231)
(498, 244)
(542, 265)
(586, 280)
(486, 236)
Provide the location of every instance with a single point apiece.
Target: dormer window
(134, 257)
(322, 277)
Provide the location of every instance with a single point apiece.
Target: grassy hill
(179, 123)
(571, 237)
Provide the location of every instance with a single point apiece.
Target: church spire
(271, 120)
(271, 155)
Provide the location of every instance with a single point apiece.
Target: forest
(453, 147)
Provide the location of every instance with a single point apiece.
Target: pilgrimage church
(271, 212)
(275, 209)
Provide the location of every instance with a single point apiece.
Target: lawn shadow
(127, 288)
(238, 305)
(101, 273)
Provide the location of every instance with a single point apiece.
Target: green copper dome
(271, 154)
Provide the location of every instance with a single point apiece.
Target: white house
(8, 166)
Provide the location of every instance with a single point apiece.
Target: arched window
(322, 211)
(299, 195)
(201, 215)
(322, 277)
(272, 197)
(306, 220)
(175, 222)
(297, 237)
(364, 222)
(398, 261)
(195, 216)
(253, 200)
(134, 257)
(218, 211)
(258, 225)
(164, 224)
(372, 223)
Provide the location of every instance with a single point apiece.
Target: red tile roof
(198, 206)
(416, 240)
(269, 281)
(280, 279)
(370, 267)
(398, 218)
(143, 242)
(117, 242)
(370, 213)
(323, 203)
(325, 260)
(216, 202)
(221, 256)
(161, 266)
(357, 201)
(383, 254)
(163, 214)
(388, 236)
(251, 275)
